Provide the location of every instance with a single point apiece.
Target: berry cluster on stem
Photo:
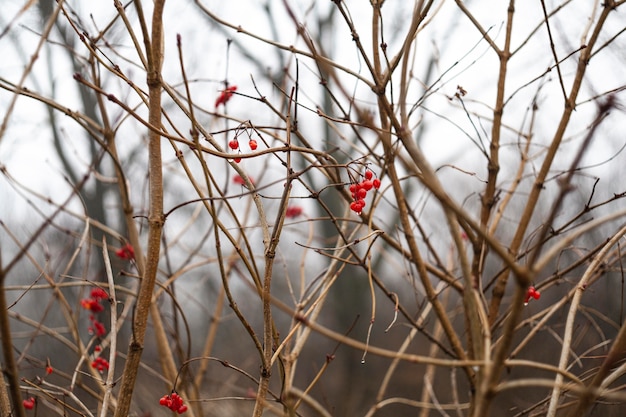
(29, 403)
(360, 189)
(531, 293)
(234, 145)
(100, 364)
(126, 252)
(174, 402)
(94, 304)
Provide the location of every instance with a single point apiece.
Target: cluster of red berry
(100, 364)
(174, 402)
(29, 403)
(91, 304)
(531, 293)
(94, 304)
(96, 327)
(359, 190)
(234, 145)
(126, 252)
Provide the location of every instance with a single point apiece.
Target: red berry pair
(359, 191)
(234, 145)
(126, 252)
(174, 402)
(29, 403)
(531, 293)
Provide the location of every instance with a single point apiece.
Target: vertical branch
(5, 403)
(110, 380)
(535, 192)
(488, 199)
(42, 41)
(556, 58)
(270, 254)
(617, 350)
(154, 48)
(10, 367)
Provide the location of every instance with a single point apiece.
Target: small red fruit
(100, 364)
(126, 252)
(531, 293)
(368, 175)
(225, 95)
(91, 305)
(99, 294)
(367, 184)
(293, 212)
(29, 403)
(174, 402)
(253, 145)
(376, 183)
(233, 144)
(237, 160)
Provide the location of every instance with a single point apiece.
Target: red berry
(233, 144)
(99, 293)
(376, 183)
(361, 194)
(126, 252)
(355, 207)
(100, 364)
(531, 293)
(253, 145)
(293, 211)
(29, 403)
(353, 188)
(225, 95)
(368, 175)
(164, 400)
(237, 160)
(92, 304)
(99, 328)
(181, 409)
(367, 184)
